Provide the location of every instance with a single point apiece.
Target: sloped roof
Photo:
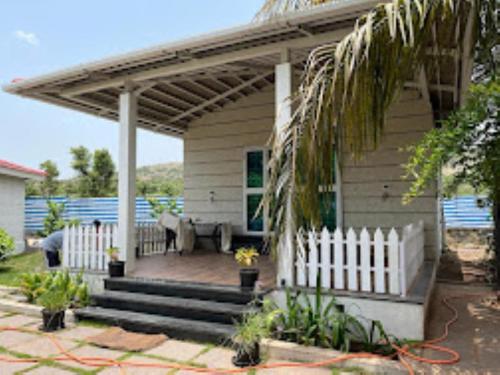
(9, 168)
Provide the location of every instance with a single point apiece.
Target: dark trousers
(53, 258)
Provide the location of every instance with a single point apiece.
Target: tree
(346, 90)
(468, 140)
(96, 175)
(54, 220)
(81, 164)
(50, 185)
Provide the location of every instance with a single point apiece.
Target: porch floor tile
(9, 339)
(177, 350)
(19, 321)
(138, 370)
(44, 370)
(216, 358)
(7, 368)
(93, 351)
(203, 266)
(42, 347)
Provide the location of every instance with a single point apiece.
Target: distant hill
(160, 179)
(164, 171)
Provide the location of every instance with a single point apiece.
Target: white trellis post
(126, 178)
(283, 113)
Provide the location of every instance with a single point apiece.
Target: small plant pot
(248, 277)
(116, 268)
(246, 358)
(52, 320)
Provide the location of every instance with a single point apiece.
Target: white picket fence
(84, 246)
(360, 263)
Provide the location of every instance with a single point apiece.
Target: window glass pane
(254, 224)
(328, 211)
(255, 169)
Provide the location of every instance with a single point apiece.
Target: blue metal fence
(464, 212)
(86, 210)
(459, 212)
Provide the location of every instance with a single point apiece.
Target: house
(223, 93)
(13, 179)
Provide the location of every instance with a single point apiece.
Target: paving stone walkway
(14, 344)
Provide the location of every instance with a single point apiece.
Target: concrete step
(194, 309)
(211, 292)
(184, 329)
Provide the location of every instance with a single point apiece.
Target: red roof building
(15, 170)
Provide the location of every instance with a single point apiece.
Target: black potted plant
(246, 258)
(116, 268)
(248, 333)
(54, 303)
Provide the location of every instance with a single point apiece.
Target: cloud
(27, 37)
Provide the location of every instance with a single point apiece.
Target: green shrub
(53, 300)
(7, 244)
(34, 285)
(309, 321)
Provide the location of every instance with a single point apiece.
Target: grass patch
(92, 324)
(13, 267)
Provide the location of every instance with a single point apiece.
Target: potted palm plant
(254, 327)
(54, 303)
(246, 258)
(116, 268)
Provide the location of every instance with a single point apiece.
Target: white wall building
(13, 179)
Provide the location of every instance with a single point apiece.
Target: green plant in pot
(116, 267)
(254, 327)
(247, 258)
(54, 303)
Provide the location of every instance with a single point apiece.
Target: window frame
(255, 190)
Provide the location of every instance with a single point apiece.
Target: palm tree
(346, 90)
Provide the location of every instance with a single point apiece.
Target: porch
(201, 266)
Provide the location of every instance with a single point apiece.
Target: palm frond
(346, 90)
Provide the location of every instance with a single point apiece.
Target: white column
(126, 178)
(283, 92)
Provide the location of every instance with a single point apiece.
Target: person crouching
(51, 246)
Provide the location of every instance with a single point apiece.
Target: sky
(38, 37)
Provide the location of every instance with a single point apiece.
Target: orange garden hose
(403, 354)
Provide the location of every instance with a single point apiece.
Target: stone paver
(9, 339)
(19, 321)
(216, 358)
(177, 350)
(93, 351)
(293, 370)
(80, 333)
(44, 370)
(138, 370)
(7, 368)
(42, 347)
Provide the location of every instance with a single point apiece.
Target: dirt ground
(466, 259)
(476, 334)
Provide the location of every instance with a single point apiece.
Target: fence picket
(326, 259)
(352, 260)
(66, 252)
(393, 253)
(301, 260)
(379, 261)
(338, 258)
(80, 247)
(86, 241)
(93, 247)
(313, 259)
(74, 251)
(365, 246)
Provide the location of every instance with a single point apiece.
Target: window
(255, 176)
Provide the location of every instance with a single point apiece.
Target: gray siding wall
(12, 208)
(213, 161)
